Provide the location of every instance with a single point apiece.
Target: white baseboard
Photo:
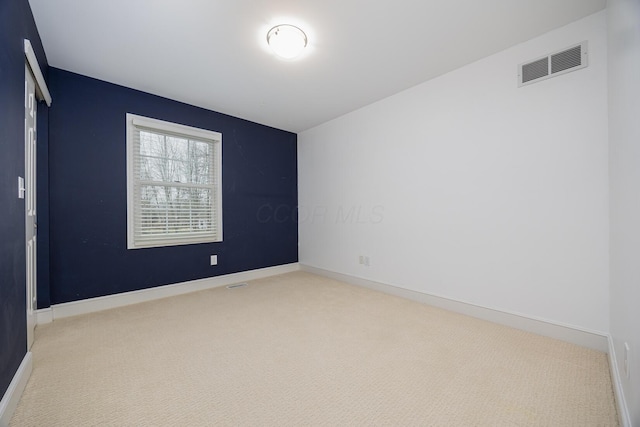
(12, 396)
(623, 409)
(44, 315)
(585, 338)
(58, 311)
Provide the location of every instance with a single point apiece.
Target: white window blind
(173, 184)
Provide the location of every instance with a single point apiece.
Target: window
(174, 175)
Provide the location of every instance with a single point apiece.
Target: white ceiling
(213, 53)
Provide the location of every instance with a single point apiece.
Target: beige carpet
(303, 350)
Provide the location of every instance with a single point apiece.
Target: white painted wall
(624, 138)
(471, 188)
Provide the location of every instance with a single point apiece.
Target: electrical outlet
(625, 365)
(361, 259)
(214, 259)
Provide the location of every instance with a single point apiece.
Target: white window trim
(134, 121)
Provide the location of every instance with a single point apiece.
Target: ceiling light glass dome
(286, 41)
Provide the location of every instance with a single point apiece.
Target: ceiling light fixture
(286, 41)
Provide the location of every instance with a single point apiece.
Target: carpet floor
(304, 350)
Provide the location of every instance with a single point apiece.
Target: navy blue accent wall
(87, 184)
(16, 24)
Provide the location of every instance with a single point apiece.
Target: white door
(30, 108)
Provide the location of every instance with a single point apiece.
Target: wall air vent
(554, 64)
(535, 70)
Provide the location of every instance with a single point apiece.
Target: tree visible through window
(174, 184)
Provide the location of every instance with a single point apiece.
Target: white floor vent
(237, 285)
(554, 64)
